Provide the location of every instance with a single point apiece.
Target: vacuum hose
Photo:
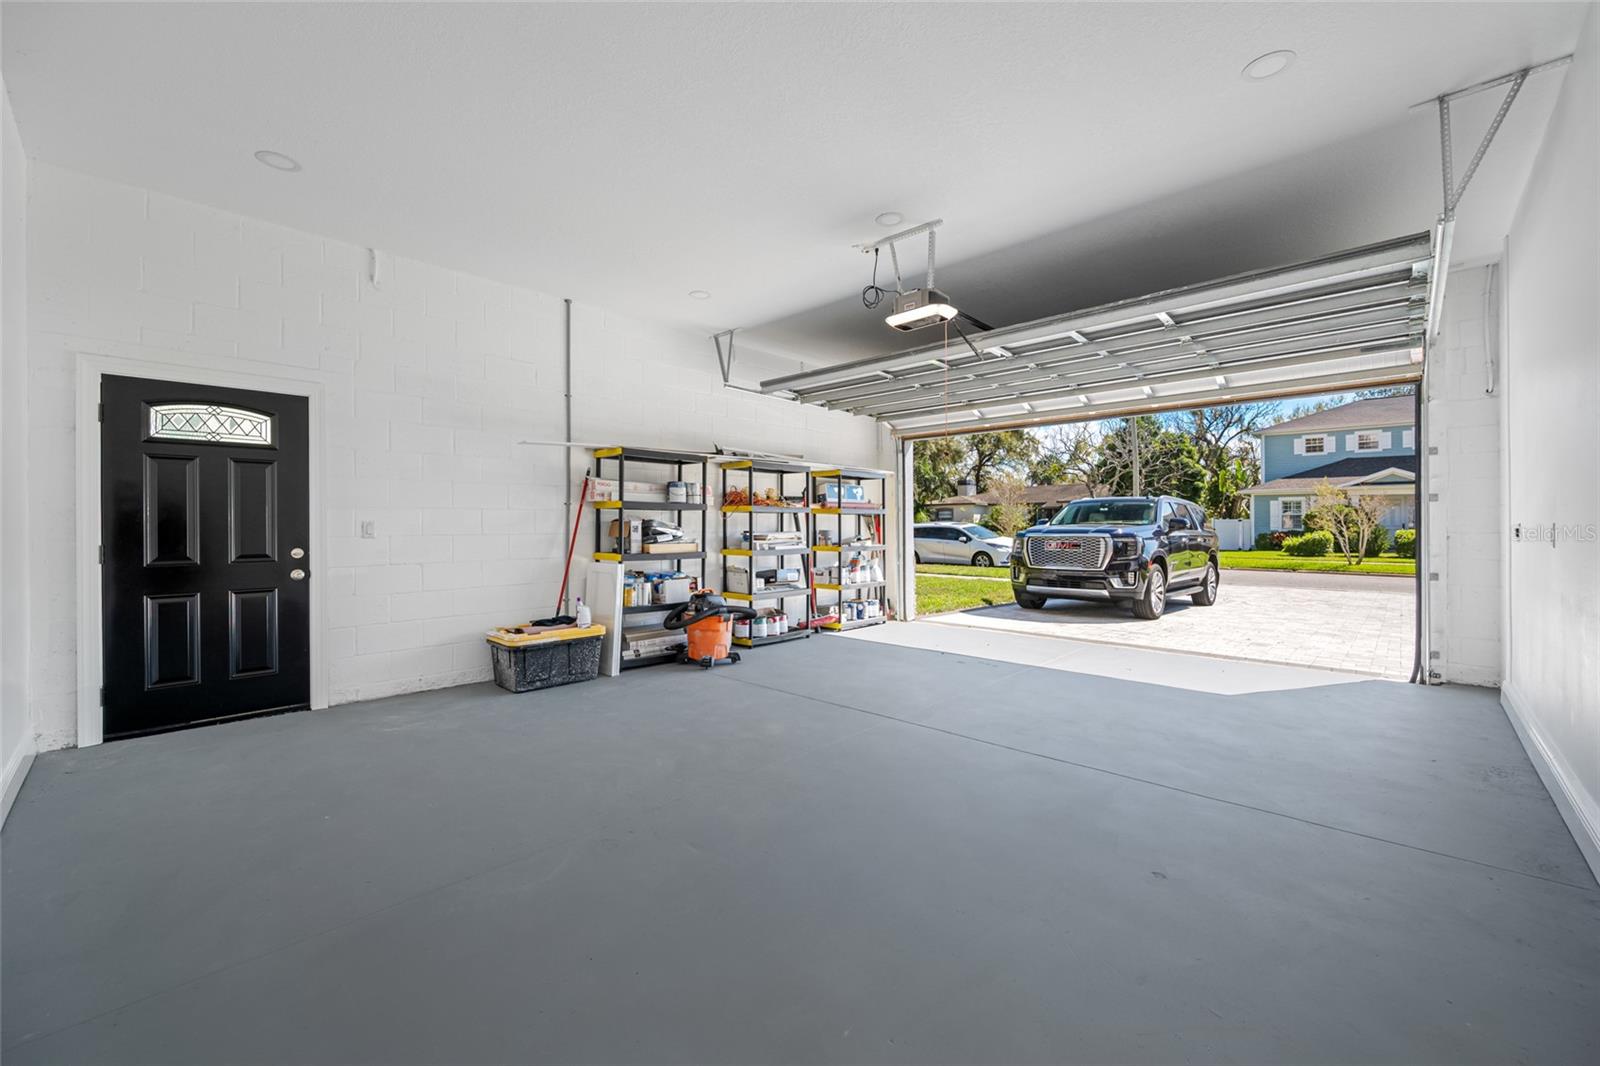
(702, 607)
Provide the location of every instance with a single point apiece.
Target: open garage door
(1352, 320)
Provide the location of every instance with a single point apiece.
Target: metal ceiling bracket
(1453, 192)
(1444, 232)
(724, 358)
(894, 256)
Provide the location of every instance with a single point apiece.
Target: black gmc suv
(1130, 549)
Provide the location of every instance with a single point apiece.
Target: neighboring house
(1367, 448)
(973, 506)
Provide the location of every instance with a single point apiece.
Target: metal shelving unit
(684, 466)
(863, 522)
(742, 474)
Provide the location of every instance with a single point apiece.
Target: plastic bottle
(585, 616)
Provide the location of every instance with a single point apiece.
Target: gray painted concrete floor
(844, 849)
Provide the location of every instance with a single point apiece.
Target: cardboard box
(652, 491)
(674, 589)
(631, 531)
(645, 643)
(740, 581)
(779, 541)
(672, 547)
(833, 494)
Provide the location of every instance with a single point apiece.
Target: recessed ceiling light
(276, 160)
(1263, 67)
(890, 218)
(699, 294)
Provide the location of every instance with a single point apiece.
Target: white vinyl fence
(1233, 534)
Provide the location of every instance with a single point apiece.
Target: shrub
(1309, 545)
(1405, 543)
(1377, 542)
(1271, 541)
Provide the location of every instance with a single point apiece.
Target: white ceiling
(626, 154)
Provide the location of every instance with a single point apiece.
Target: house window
(210, 423)
(1316, 445)
(1294, 514)
(944, 514)
(1367, 442)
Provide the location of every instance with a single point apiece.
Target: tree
(940, 464)
(1224, 492)
(1386, 390)
(1010, 511)
(1068, 455)
(1168, 462)
(1350, 518)
(1223, 443)
(989, 454)
(936, 465)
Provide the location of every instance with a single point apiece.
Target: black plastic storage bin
(546, 664)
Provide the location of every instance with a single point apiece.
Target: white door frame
(91, 367)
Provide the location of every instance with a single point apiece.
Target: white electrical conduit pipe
(1491, 331)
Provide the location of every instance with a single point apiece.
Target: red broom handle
(572, 543)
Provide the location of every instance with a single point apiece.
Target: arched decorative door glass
(209, 422)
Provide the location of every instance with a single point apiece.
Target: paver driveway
(1337, 622)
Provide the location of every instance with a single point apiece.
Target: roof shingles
(1359, 414)
(1341, 472)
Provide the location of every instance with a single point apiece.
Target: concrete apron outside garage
(919, 843)
(1361, 623)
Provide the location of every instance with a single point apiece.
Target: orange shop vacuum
(708, 620)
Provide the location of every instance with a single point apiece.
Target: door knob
(297, 553)
(297, 574)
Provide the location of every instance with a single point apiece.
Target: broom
(572, 542)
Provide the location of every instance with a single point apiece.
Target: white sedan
(962, 543)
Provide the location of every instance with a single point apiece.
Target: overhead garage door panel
(1346, 320)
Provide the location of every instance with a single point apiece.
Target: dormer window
(1316, 445)
(1368, 442)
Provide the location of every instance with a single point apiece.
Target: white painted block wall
(1552, 446)
(16, 723)
(1463, 492)
(430, 380)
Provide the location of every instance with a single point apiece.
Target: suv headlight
(1016, 545)
(1124, 547)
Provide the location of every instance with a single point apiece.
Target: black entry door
(205, 576)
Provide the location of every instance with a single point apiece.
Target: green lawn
(963, 571)
(937, 595)
(1270, 560)
(1249, 560)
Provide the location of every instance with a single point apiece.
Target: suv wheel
(916, 558)
(1032, 601)
(1206, 594)
(1152, 598)
(983, 559)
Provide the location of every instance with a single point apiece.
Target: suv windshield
(1107, 513)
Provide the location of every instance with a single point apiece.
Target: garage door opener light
(919, 308)
(914, 309)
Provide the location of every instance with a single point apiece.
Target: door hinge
(102, 695)
(102, 553)
(102, 411)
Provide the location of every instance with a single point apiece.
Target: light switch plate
(369, 529)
